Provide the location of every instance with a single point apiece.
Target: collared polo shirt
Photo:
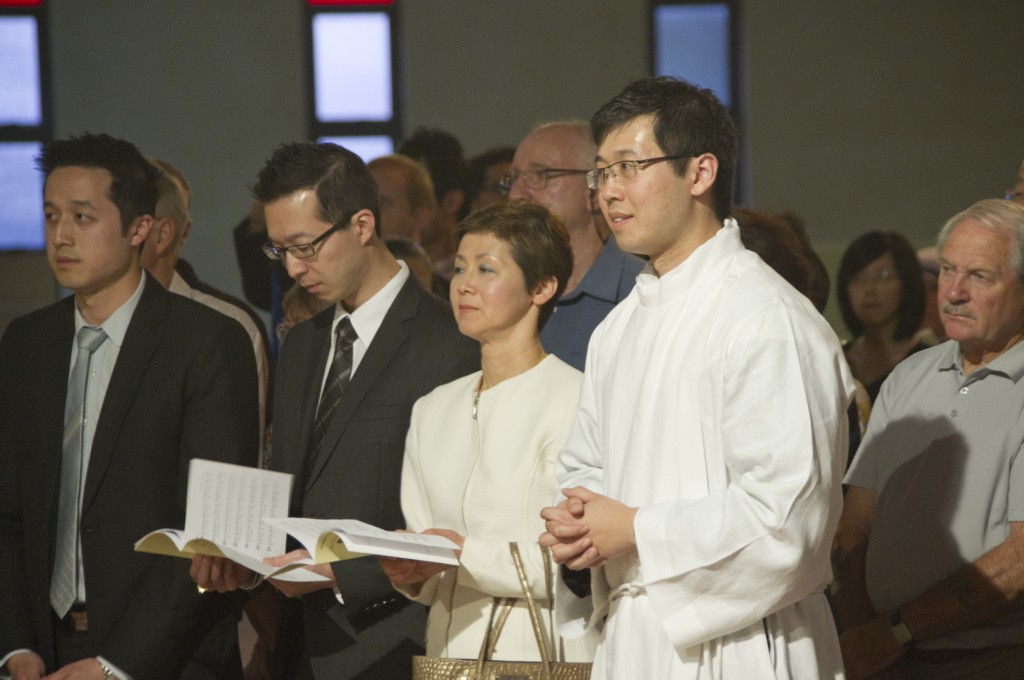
(609, 280)
(943, 453)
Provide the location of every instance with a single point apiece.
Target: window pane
(692, 42)
(20, 103)
(21, 195)
(366, 147)
(352, 66)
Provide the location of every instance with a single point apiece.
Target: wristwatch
(108, 674)
(899, 629)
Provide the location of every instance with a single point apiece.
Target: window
(696, 41)
(25, 123)
(354, 101)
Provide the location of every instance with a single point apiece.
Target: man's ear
(705, 174)
(365, 225)
(139, 230)
(161, 236)
(544, 291)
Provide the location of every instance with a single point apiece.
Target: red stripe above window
(21, 3)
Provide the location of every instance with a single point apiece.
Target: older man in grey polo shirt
(929, 555)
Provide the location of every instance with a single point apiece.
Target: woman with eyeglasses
(881, 295)
(480, 453)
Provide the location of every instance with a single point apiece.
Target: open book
(224, 516)
(332, 540)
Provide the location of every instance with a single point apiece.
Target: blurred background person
(881, 296)
(407, 200)
(1016, 193)
(441, 153)
(931, 332)
(479, 460)
(416, 258)
(483, 183)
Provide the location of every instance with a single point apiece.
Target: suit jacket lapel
(389, 338)
(140, 343)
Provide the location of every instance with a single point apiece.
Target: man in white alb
(703, 472)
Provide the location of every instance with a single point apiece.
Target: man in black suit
(323, 213)
(169, 381)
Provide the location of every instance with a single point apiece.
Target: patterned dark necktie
(337, 381)
(64, 580)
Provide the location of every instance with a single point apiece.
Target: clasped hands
(587, 529)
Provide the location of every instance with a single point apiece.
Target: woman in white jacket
(479, 458)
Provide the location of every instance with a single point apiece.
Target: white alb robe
(714, 399)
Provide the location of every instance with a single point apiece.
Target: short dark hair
(775, 243)
(688, 121)
(539, 243)
(477, 168)
(442, 153)
(864, 250)
(132, 178)
(340, 178)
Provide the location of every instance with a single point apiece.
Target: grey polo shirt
(941, 452)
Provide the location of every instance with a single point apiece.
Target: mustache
(958, 310)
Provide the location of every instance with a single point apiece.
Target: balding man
(549, 168)
(928, 567)
(171, 226)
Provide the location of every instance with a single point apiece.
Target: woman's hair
(538, 240)
(864, 250)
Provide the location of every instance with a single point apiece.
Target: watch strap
(899, 629)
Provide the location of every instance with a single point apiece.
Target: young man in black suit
(82, 479)
(323, 217)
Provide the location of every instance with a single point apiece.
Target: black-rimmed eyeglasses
(304, 251)
(535, 179)
(624, 172)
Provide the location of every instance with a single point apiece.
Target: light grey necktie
(64, 581)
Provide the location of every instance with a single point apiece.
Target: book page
(329, 540)
(227, 503)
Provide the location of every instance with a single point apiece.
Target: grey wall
(861, 114)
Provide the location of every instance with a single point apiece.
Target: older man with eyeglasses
(346, 383)
(549, 168)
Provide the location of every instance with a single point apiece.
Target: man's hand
(86, 669)
(404, 572)
(566, 534)
(588, 529)
(26, 666)
(218, 573)
(869, 649)
(297, 588)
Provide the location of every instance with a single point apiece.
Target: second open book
(241, 513)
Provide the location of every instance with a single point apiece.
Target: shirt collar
(367, 317)
(180, 286)
(602, 279)
(116, 325)
(1010, 363)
